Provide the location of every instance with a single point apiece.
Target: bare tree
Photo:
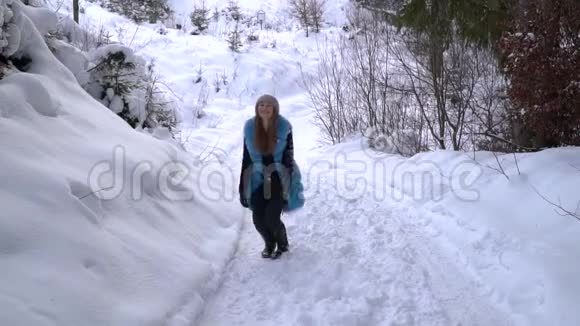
(366, 65)
(300, 10)
(442, 73)
(488, 119)
(316, 12)
(461, 68)
(352, 94)
(328, 92)
(394, 123)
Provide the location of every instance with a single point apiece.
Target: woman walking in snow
(270, 180)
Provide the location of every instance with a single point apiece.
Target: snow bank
(487, 212)
(518, 245)
(100, 224)
(74, 59)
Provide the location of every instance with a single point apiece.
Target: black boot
(276, 254)
(268, 251)
(282, 239)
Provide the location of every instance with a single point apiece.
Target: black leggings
(267, 211)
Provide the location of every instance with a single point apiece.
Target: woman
(270, 179)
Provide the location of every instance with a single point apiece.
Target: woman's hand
(244, 201)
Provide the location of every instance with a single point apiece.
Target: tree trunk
(76, 11)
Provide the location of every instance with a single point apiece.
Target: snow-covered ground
(143, 250)
(437, 239)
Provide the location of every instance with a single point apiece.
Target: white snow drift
(128, 255)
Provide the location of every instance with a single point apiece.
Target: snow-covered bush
(220, 81)
(252, 36)
(124, 83)
(201, 102)
(15, 33)
(113, 74)
(114, 77)
(140, 10)
(161, 29)
(232, 12)
(9, 33)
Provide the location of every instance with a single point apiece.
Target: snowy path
(356, 262)
(351, 262)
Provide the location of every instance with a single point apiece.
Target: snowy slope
(141, 253)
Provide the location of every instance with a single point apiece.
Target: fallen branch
(496, 137)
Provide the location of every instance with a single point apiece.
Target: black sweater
(287, 160)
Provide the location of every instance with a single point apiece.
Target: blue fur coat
(253, 170)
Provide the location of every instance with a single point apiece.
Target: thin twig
(496, 137)
(134, 34)
(566, 212)
(574, 167)
(517, 165)
(500, 166)
(94, 192)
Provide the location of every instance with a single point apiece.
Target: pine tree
(478, 21)
(233, 12)
(140, 10)
(234, 39)
(118, 78)
(200, 17)
(157, 10)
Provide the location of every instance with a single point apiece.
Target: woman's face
(265, 110)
